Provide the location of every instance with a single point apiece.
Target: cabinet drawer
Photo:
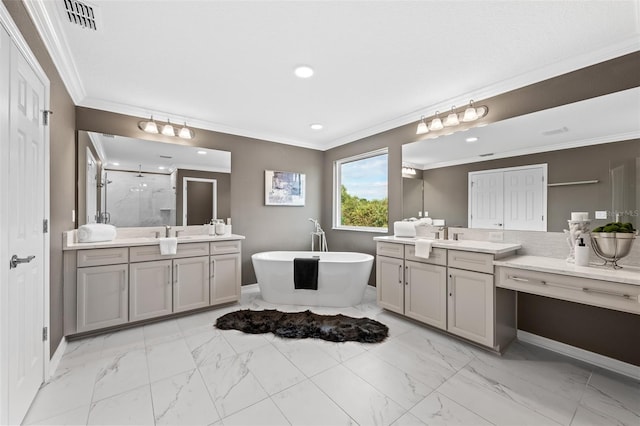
(471, 261)
(390, 250)
(147, 253)
(225, 247)
(606, 294)
(438, 256)
(100, 257)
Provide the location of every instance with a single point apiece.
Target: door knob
(15, 260)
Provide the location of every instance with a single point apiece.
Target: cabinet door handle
(213, 268)
(525, 280)
(175, 273)
(168, 274)
(400, 274)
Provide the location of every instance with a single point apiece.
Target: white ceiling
(228, 65)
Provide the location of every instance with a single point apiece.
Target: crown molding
(57, 46)
(48, 27)
(618, 137)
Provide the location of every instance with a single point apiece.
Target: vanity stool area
(470, 288)
(109, 285)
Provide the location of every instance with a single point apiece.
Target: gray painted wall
(223, 183)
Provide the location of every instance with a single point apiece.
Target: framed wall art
(284, 188)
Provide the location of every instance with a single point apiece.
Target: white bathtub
(342, 278)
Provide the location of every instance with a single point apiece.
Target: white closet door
(486, 200)
(524, 201)
(26, 212)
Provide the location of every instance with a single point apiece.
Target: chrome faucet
(167, 228)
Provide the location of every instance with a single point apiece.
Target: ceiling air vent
(81, 14)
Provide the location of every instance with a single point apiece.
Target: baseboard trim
(57, 357)
(598, 360)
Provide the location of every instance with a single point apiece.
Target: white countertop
(466, 245)
(626, 275)
(145, 241)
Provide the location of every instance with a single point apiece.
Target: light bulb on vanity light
(168, 129)
(185, 132)
(148, 126)
(452, 118)
(422, 127)
(470, 114)
(436, 123)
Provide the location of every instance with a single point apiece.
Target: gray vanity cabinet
(102, 292)
(150, 289)
(190, 283)
(426, 293)
(390, 277)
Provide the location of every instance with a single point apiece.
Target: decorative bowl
(612, 246)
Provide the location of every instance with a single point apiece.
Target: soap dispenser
(582, 253)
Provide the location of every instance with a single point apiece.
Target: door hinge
(45, 226)
(45, 334)
(45, 116)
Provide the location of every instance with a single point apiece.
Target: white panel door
(26, 239)
(524, 201)
(485, 200)
(91, 189)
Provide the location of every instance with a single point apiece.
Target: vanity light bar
(453, 119)
(151, 126)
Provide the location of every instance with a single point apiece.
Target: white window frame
(337, 179)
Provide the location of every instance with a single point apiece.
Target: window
(360, 192)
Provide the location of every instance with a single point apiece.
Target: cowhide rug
(300, 325)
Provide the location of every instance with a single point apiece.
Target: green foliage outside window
(362, 212)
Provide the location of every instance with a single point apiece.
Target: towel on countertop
(305, 273)
(168, 245)
(423, 248)
(96, 232)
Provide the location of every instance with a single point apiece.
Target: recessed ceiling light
(116, 164)
(201, 152)
(161, 168)
(471, 139)
(303, 71)
(316, 126)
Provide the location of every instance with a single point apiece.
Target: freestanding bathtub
(342, 278)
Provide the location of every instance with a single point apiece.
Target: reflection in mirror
(606, 127)
(133, 182)
(412, 195)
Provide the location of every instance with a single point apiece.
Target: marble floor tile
(344, 351)
(122, 341)
(394, 383)
(196, 323)
(273, 370)
(306, 354)
(264, 413)
(361, 401)
(121, 373)
(496, 407)
(613, 397)
(82, 350)
(438, 410)
(396, 324)
(242, 342)
(129, 408)
(168, 359)
(162, 331)
(306, 404)
(420, 366)
(209, 346)
(231, 384)
(183, 399)
(77, 416)
(446, 350)
(408, 419)
(70, 388)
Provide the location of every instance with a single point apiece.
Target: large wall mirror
(131, 182)
(592, 149)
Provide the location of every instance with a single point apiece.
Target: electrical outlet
(426, 214)
(496, 236)
(419, 214)
(601, 214)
